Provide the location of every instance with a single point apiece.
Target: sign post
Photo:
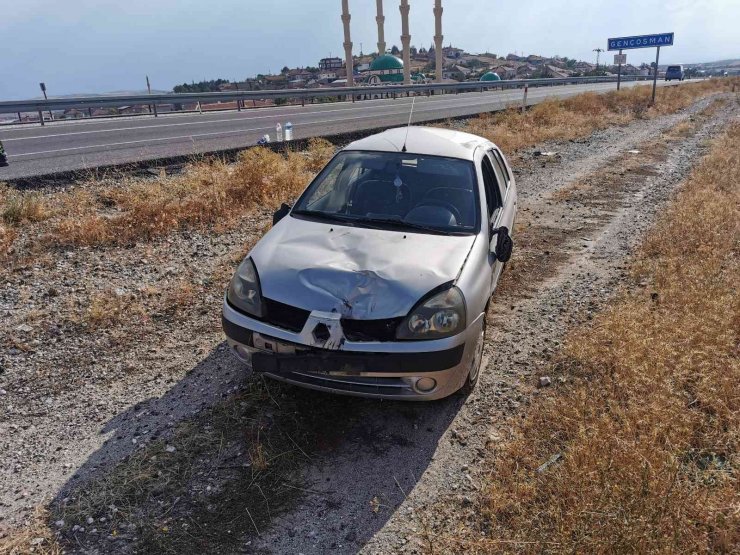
(619, 59)
(641, 41)
(655, 73)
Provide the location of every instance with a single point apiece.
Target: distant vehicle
(674, 72)
(377, 281)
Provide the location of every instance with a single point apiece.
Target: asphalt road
(79, 145)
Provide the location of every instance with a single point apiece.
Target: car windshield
(395, 190)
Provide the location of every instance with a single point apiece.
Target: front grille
(371, 330)
(284, 316)
(293, 319)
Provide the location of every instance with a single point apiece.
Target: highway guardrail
(351, 93)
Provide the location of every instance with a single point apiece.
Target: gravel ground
(76, 396)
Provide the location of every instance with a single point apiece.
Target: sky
(96, 46)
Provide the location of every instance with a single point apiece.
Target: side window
(493, 195)
(500, 173)
(505, 170)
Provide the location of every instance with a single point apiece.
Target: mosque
(387, 68)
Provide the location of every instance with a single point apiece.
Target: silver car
(377, 280)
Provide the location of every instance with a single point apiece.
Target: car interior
(429, 191)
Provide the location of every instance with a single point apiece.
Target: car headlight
(442, 315)
(244, 289)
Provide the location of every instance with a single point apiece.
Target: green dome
(490, 76)
(385, 62)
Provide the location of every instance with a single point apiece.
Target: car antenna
(411, 113)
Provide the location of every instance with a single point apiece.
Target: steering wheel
(378, 185)
(443, 204)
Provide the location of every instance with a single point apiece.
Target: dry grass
(208, 194)
(581, 115)
(648, 425)
(109, 307)
(18, 207)
(35, 538)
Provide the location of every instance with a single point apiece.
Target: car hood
(359, 272)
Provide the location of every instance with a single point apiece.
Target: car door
(498, 175)
(494, 209)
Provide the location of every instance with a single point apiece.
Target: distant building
(331, 63)
(554, 71)
(451, 52)
(515, 58)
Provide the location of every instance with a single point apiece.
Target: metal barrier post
(41, 118)
(524, 99)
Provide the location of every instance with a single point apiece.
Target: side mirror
(280, 213)
(504, 244)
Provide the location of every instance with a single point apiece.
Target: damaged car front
(375, 282)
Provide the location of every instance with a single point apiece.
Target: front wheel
(475, 367)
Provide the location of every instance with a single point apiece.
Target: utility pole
(598, 52)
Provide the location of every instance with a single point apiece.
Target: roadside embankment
(637, 447)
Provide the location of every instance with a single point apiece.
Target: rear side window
(502, 166)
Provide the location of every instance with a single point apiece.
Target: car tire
(474, 373)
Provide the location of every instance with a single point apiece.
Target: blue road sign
(641, 41)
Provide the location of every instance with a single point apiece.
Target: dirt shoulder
(362, 469)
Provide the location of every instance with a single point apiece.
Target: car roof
(430, 141)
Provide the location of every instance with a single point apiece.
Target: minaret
(438, 37)
(405, 41)
(380, 18)
(348, 44)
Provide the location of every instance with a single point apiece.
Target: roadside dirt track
(385, 472)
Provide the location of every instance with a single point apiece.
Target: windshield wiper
(325, 216)
(408, 225)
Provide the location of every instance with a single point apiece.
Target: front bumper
(389, 370)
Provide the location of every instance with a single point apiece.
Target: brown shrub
(17, 207)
